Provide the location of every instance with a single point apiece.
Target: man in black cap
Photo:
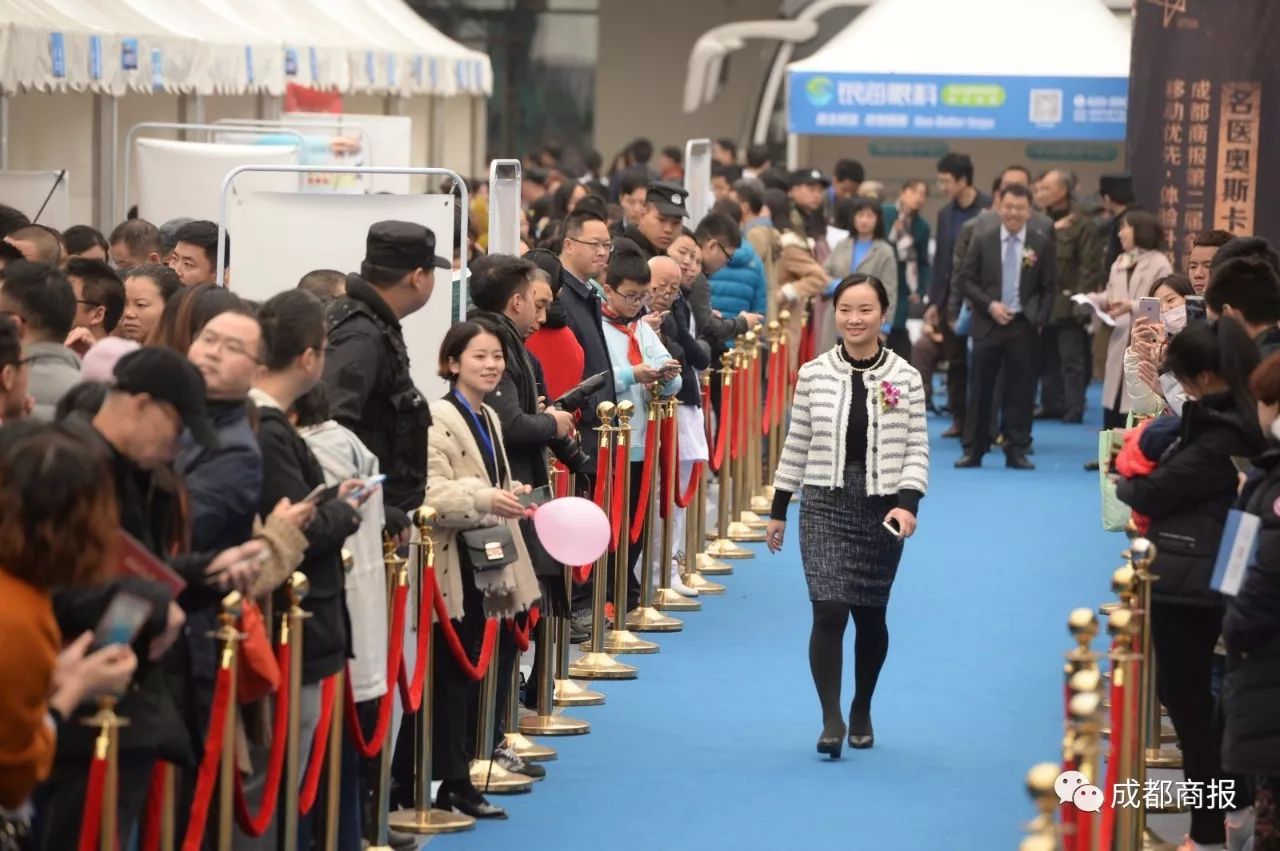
(367, 370)
(664, 212)
(156, 396)
(807, 193)
(1117, 197)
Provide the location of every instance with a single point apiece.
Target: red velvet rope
(150, 831)
(766, 422)
(695, 476)
(91, 820)
(477, 671)
(320, 745)
(582, 572)
(369, 748)
(1070, 815)
(784, 362)
(726, 423)
(739, 436)
(1118, 730)
(668, 465)
(621, 456)
(646, 479)
(520, 635)
(208, 772)
(256, 825)
(411, 687)
(805, 349)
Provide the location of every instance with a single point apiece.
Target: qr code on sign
(1046, 106)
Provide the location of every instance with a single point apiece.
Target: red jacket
(1131, 463)
(560, 354)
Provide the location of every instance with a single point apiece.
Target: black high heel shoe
(466, 799)
(830, 745)
(861, 733)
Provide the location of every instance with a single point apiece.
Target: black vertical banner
(1204, 91)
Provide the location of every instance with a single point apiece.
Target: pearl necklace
(879, 360)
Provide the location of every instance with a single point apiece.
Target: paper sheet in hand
(1081, 298)
(1236, 552)
(137, 560)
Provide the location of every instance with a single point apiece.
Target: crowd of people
(147, 408)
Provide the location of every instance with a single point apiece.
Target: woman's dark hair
(548, 262)
(626, 263)
(456, 340)
(188, 311)
(59, 522)
(312, 407)
(1222, 348)
(84, 398)
(165, 279)
(1177, 282)
(779, 208)
(1146, 229)
(857, 279)
(848, 208)
(291, 322)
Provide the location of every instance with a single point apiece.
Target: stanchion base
(742, 532)
(528, 749)
(622, 641)
(1164, 758)
(600, 666)
(709, 566)
(649, 619)
(425, 822)
(569, 693)
(488, 776)
(701, 584)
(553, 725)
(751, 520)
(761, 504)
(729, 550)
(667, 600)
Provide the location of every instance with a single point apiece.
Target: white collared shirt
(1021, 236)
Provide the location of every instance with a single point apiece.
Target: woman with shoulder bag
(482, 566)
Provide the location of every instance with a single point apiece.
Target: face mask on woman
(1174, 319)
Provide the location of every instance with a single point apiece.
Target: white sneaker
(677, 584)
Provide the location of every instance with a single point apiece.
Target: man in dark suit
(1008, 276)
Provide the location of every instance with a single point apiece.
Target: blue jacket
(740, 285)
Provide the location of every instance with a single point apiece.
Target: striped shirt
(897, 440)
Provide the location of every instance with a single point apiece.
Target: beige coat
(1150, 267)
(801, 278)
(881, 262)
(458, 489)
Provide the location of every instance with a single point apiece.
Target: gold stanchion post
(620, 638)
(748, 527)
(708, 564)
(666, 599)
(487, 774)
(230, 637)
(762, 502)
(333, 789)
(423, 818)
(106, 746)
(596, 664)
(646, 617)
(724, 547)
(515, 738)
(568, 692)
(1123, 627)
(1141, 554)
(1042, 829)
(296, 587)
(694, 517)
(547, 722)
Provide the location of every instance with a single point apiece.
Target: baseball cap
(802, 176)
(167, 376)
(668, 198)
(402, 245)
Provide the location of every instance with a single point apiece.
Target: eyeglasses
(633, 298)
(89, 303)
(228, 344)
(595, 246)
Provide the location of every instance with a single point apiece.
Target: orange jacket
(29, 646)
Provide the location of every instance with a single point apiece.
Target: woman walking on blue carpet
(858, 445)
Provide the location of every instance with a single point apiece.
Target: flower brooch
(890, 396)
(1029, 258)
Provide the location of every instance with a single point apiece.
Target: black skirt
(849, 557)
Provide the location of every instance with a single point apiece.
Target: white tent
(1033, 69)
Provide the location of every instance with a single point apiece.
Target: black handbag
(489, 547)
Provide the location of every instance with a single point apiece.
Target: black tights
(826, 657)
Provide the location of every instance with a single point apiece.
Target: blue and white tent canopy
(995, 69)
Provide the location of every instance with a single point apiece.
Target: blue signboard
(95, 57)
(290, 62)
(129, 54)
(1069, 108)
(57, 55)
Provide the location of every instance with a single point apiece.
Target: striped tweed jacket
(897, 447)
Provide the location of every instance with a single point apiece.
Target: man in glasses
(14, 401)
(40, 301)
(99, 302)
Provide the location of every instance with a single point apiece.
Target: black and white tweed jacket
(898, 441)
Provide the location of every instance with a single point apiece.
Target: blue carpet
(713, 746)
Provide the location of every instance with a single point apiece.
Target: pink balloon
(575, 531)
